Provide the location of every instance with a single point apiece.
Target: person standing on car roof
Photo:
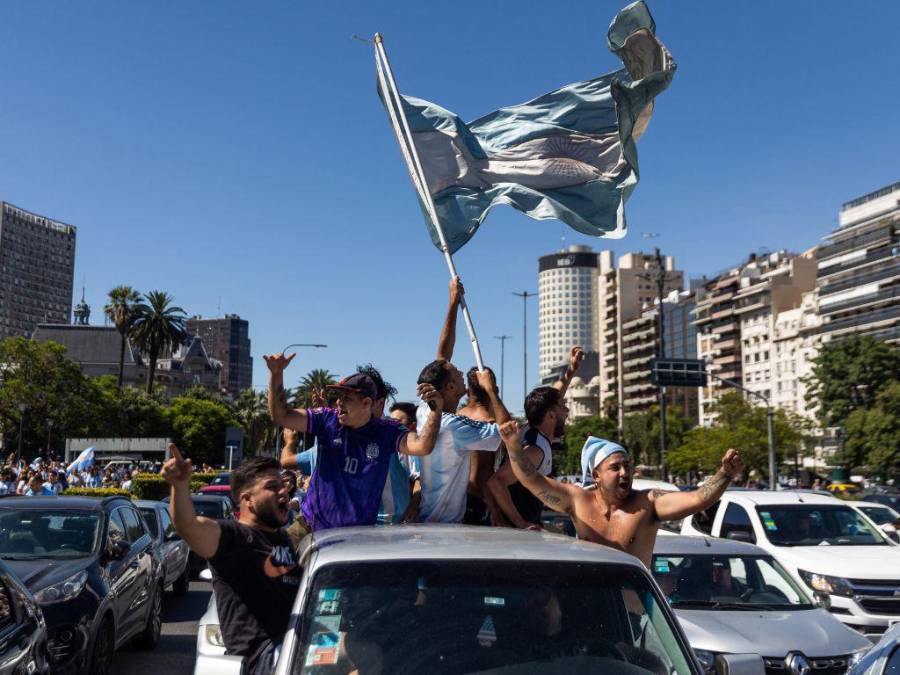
(546, 412)
(353, 447)
(254, 567)
(612, 513)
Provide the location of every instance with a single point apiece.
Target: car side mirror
(739, 664)
(118, 549)
(740, 535)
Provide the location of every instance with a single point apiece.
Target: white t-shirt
(444, 474)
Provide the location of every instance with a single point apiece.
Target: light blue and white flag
(569, 154)
(83, 462)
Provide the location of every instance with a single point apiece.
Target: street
(175, 651)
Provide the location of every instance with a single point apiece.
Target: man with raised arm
(254, 567)
(353, 448)
(613, 513)
(546, 412)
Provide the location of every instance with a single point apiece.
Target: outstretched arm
(448, 332)
(421, 441)
(553, 494)
(201, 534)
(489, 384)
(576, 356)
(278, 408)
(677, 505)
(288, 457)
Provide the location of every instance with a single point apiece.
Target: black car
(91, 567)
(23, 632)
(171, 550)
(891, 499)
(210, 506)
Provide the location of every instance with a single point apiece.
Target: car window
(817, 525)
(209, 509)
(447, 617)
(134, 525)
(737, 519)
(7, 615)
(704, 520)
(149, 515)
(880, 515)
(117, 530)
(31, 534)
(167, 526)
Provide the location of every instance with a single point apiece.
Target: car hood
(813, 632)
(40, 573)
(854, 562)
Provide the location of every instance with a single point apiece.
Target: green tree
(132, 412)
(119, 309)
(198, 427)
(873, 434)
(640, 433)
(313, 389)
(158, 325)
(576, 433)
(250, 410)
(847, 375)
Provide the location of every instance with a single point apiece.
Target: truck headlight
(64, 590)
(826, 584)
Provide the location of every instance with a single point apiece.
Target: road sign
(678, 372)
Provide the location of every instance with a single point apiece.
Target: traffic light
(678, 372)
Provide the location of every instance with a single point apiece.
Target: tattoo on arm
(710, 487)
(525, 464)
(548, 498)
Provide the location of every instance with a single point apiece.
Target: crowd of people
(51, 477)
(431, 462)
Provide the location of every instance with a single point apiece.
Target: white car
(886, 518)
(211, 657)
(732, 597)
(826, 545)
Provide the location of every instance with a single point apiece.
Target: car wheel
(102, 654)
(149, 637)
(182, 583)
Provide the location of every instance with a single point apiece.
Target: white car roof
(676, 545)
(650, 484)
(768, 497)
(454, 542)
(875, 505)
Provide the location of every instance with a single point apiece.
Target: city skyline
(198, 163)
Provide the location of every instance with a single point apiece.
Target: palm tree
(251, 409)
(313, 389)
(158, 325)
(120, 310)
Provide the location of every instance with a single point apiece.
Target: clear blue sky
(236, 154)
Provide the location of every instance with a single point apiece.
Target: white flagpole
(408, 148)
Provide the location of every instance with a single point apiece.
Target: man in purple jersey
(353, 447)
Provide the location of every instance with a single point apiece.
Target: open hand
(576, 356)
(177, 470)
(430, 395)
(732, 463)
(278, 362)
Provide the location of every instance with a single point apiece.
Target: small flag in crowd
(83, 462)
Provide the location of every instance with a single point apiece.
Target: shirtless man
(613, 513)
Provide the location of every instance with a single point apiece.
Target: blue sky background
(236, 155)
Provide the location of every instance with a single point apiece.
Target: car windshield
(727, 583)
(208, 509)
(817, 525)
(880, 515)
(149, 515)
(221, 479)
(474, 616)
(29, 534)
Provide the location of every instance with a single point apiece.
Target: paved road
(176, 649)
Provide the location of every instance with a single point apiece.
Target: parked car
(90, 565)
(732, 597)
(883, 658)
(211, 506)
(886, 518)
(888, 497)
(23, 631)
(822, 542)
(172, 551)
(420, 599)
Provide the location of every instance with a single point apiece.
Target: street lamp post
(524, 295)
(22, 409)
(49, 428)
(503, 339)
(313, 345)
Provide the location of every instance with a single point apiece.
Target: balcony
(727, 360)
(723, 313)
(729, 327)
(642, 386)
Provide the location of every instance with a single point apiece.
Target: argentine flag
(569, 154)
(83, 462)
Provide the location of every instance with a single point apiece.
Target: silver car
(883, 658)
(735, 597)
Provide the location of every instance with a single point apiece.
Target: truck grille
(880, 605)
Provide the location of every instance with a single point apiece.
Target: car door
(123, 574)
(141, 560)
(175, 550)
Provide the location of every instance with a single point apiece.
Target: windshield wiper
(12, 556)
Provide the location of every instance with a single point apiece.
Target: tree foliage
(120, 309)
(873, 435)
(640, 433)
(251, 412)
(576, 433)
(158, 325)
(198, 426)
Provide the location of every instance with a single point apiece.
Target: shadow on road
(189, 607)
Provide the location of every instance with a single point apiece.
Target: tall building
(227, 339)
(567, 305)
(735, 316)
(859, 269)
(795, 346)
(37, 264)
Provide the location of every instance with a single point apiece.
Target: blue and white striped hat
(593, 453)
